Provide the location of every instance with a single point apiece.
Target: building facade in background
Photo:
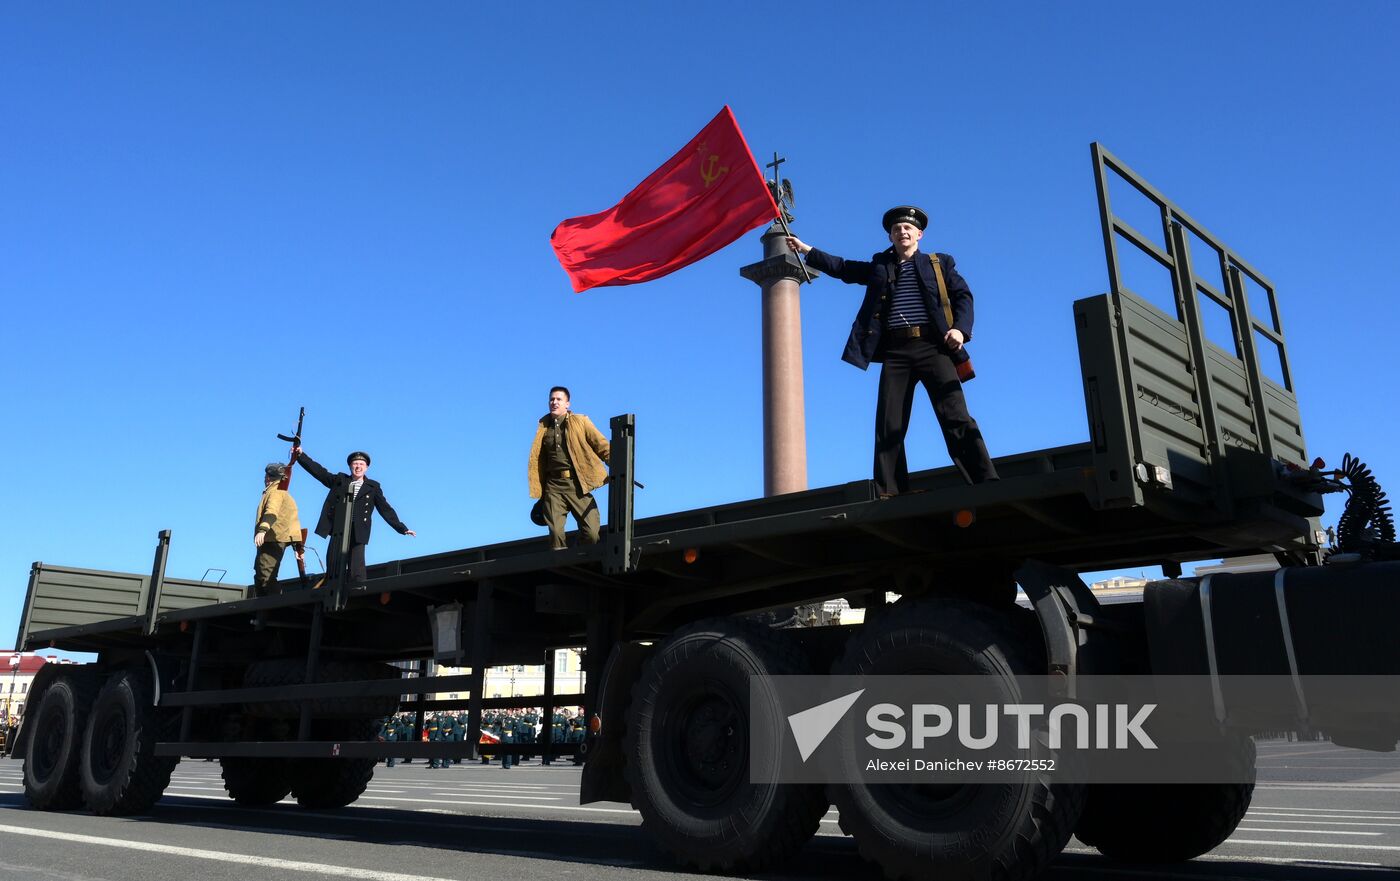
(19, 670)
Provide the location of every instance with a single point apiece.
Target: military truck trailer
(1194, 453)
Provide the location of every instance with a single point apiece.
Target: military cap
(275, 471)
(905, 214)
(537, 513)
(358, 454)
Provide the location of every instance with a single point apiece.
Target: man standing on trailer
(368, 496)
(276, 527)
(902, 324)
(566, 464)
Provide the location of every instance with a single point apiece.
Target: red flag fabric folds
(703, 198)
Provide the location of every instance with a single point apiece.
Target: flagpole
(787, 232)
(775, 186)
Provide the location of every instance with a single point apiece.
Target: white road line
(1323, 810)
(495, 804)
(1243, 828)
(415, 784)
(1316, 818)
(1336, 787)
(1323, 821)
(1117, 871)
(1331, 844)
(222, 856)
(453, 795)
(489, 804)
(184, 787)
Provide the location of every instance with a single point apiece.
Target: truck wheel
(1005, 830)
(1167, 822)
(120, 772)
(51, 752)
(281, 672)
(256, 783)
(321, 784)
(688, 751)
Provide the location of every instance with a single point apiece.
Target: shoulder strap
(942, 289)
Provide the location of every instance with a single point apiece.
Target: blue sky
(211, 214)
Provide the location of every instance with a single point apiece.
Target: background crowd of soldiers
(508, 726)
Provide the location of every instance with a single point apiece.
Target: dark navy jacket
(369, 498)
(878, 275)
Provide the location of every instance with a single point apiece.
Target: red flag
(703, 198)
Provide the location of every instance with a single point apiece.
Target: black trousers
(357, 563)
(908, 363)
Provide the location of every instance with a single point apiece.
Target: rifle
(295, 440)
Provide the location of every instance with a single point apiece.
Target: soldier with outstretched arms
(368, 497)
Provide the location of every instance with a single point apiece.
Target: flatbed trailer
(1194, 453)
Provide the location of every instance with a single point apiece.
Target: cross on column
(774, 165)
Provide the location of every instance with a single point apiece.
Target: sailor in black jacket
(901, 324)
(368, 495)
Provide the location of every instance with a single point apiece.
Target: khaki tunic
(588, 450)
(277, 516)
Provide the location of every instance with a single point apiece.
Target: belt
(910, 332)
(561, 472)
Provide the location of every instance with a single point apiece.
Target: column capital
(783, 266)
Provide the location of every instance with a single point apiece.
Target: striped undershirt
(355, 487)
(907, 307)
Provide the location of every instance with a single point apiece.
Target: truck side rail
(1170, 410)
(62, 601)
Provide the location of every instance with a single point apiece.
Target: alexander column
(779, 275)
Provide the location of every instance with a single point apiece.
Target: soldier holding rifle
(276, 527)
(368, 497)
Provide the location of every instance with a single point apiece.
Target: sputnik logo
(811, 726)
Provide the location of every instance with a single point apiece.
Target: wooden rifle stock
(300, 549)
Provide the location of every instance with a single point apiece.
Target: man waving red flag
(703, 198)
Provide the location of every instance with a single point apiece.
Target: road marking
(495, 804)
(490, 804)
(1331, 844)
(1335, 787)
(453, 795)
(1323, 810)
(1306, 752)
(222, 856)
(185, 788)
(1316, 818)
(1304, 831)
(1324, 822)
(1117, 871)
(502, 787)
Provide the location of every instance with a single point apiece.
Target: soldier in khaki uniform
(276, 527)
(566, 464)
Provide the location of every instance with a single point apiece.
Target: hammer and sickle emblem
(709, 172)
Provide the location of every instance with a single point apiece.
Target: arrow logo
(810, 727)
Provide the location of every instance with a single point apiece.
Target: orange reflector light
(595, 724)
(964, 518)
(384, 598)
(691, 555)
(184, 626)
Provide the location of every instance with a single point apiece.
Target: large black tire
(256, 783)
(1003, 830)
(688, 751)
(323, 784)
(119, 771)
(51, 773)
(281, 672)
(1169, 822)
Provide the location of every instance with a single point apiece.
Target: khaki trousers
(561, 497)
(266, 565)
